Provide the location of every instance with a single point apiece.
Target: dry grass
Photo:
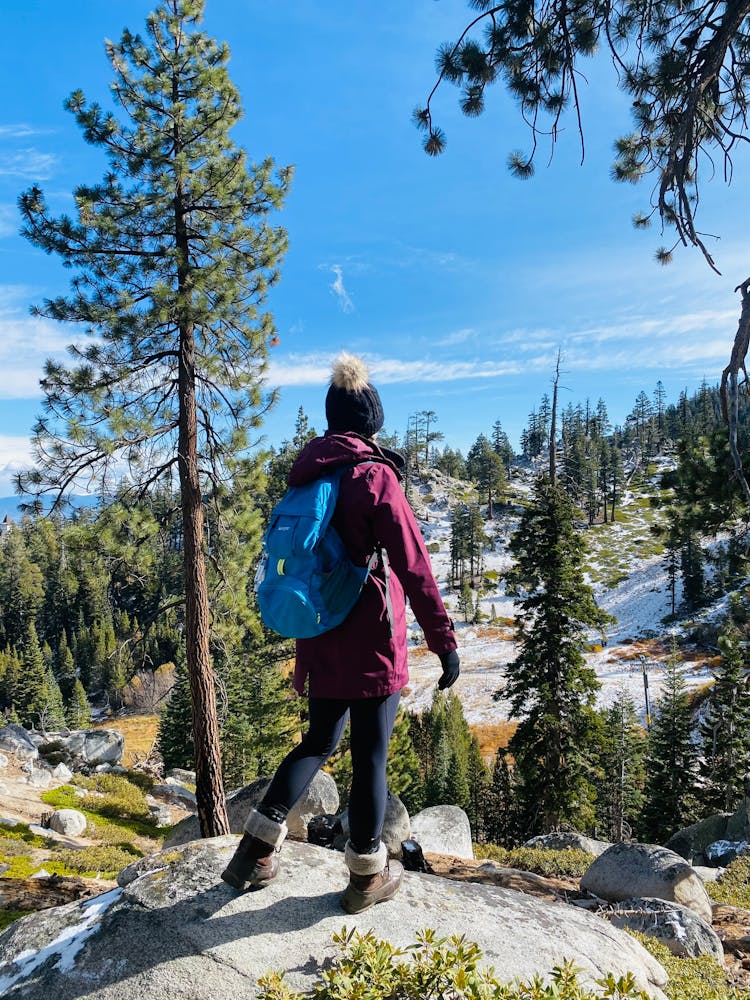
(491, 737)
(498, 633)
(651, 649)
(139, 732)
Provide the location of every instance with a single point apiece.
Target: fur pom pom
(350, 373)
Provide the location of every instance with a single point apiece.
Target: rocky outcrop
(443, 830)
(677, 927)
(568, 840)
(173, 929)
(396, 827)
(626, 871)
(240, 802)
(321, 797)
(77, 749)
(692, 841)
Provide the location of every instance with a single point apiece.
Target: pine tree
(500, 815)
(671, 761)
(550, 688)
(78, 712)
(478, 781)
(725, 729)
(620, 797)
(175, 733)
(402, 769)
(689, 111)
(173, 257)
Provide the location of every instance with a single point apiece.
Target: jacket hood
(323, 454)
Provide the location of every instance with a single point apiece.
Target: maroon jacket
(365, 656)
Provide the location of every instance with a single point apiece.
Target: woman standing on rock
(359, 668)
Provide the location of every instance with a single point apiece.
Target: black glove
(451, 669)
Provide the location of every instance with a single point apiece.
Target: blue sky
(456, 281)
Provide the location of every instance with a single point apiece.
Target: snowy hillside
(630, 582)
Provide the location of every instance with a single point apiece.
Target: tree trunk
(553, 426)
(209, 788)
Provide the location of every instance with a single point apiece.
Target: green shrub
(572, 863)
(433, 547)
(449, 969)
(141, 780)
(20, 833)
(115, 797)
(7, 917)
(733, 887)
(108, 829)
(105, 861)
(690, 978)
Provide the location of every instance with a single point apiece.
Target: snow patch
(66, 945)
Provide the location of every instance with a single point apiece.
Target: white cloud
(20, 131)
(25, 344)
(457, 337)
(337, 287)
(10, 221)
(15, 454)
(28, 164)
(315, 369)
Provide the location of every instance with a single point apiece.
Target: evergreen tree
(500, 815)
(550, 688)
(175, 732)
(688, 108)
(485, 466)
(725, 729)
(402, 770)
(173, 257)
(78, 711)
(478, 782)
(622, 774)
(671, 761)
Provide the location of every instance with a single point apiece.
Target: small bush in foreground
(433, 967)
(733, 888)
(559, 864)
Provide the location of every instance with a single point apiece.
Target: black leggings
(372, 722)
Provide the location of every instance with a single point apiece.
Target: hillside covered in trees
(532, 569)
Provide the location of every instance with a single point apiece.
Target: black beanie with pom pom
(352, 404)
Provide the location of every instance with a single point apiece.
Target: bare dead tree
(731, 386)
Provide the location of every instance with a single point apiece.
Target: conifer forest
(92, 622)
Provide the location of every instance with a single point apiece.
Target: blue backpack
(306, 583)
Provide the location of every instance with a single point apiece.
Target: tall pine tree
(172, 254)
(671, 761)
(550, 688)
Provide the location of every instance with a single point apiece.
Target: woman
(359, 668)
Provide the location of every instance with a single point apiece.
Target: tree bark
(730, 387)
(209, 787)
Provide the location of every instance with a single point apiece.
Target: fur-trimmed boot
(256, 862)
(373, 878)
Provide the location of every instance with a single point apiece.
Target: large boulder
(680, 929)
(626, 871)
(692, 841)
(396, 826)
(738, 824)
(174, 930)
(241, 801)
(17, 740)
(322, 796)
(443, 830)
(96, 746)
(69, 822)
(176, 795)
(566, 841)
(239, 804)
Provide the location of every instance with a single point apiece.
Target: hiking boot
(255, 862)
(372, 879)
